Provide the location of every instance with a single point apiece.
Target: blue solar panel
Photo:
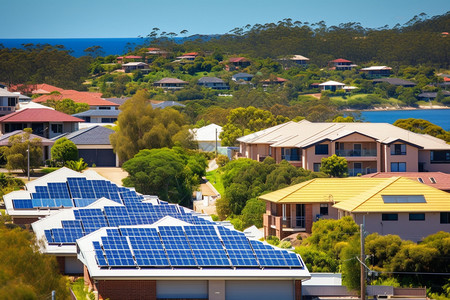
(268, 256)
(200, 230)
(84, 202)
(171, 231)
(139, 231)
(23, 203)
(239, 250)
(117, 251)
(99, 255)
(58, 190)
(113, 232)
(92, 219)
(48, 236)
(63, 202)
(118, 215)
(74, 186)
(149, 251)
(76, 224)
(177, 247)
(207, 247)
(66, 236)
(292, 259)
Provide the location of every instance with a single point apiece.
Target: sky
(133, 18)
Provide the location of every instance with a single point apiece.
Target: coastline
(421, 107)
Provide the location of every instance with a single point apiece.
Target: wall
(126, 289)
(259, 289)
(411, 158)
(424, 156)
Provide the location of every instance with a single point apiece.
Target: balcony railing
(288, 222)
(356, 172)
(370, 152)
(291, 157)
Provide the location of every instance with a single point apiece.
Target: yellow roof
(364, 194)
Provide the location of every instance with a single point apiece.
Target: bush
(273, 240)
(285, 245)
(222, 160)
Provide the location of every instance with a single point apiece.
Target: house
(437, 180)
(44, 122)
(46, 143)
(341, 64)
(128, 58)
(207, 137)
(35, 89)
(368, 147)
(331, 86)
(190, 56)
(133, 66)
(377, 71)
(157, 52)
(235, 63)
(8, 102)
(164, 104)
(98, 116)
(294, 60)
(213, 83)
(393, 205)
(170, 83)
(395, 81)
(272, 81)
(242, 77)
(94, 146)
(430, 96)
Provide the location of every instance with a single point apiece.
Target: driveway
(113, 174)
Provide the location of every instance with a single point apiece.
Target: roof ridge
(304, 184)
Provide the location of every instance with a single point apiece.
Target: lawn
(215, 177)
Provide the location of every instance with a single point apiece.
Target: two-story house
(341, 64)
(213, 83)
(8, 102)
(170, 83)
(368, 147)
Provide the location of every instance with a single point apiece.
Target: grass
(80, 290)
(47, 170)
(215, 177)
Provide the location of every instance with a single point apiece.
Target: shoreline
(406, 108)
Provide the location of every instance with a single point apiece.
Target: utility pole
(216, 142)
(28, 160)
(363, 259)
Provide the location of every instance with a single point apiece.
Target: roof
(433, 94)
(4, 139)
(360, 195)
(35, 115)
(237, 59)
(207, 133)
(304, 134)
(131, 64)
(440, 180)
(210, 80)
(130, 57)
(165, 104)
(92, 99)
(31, 104)
(332, 83)
(242, 75)
(171, 80)
(5, 93)
(98, 112)
(96, 135)
(376, 68)
(277, 79)
(341, 60)
(191, 54)
(394, 81)
(41, 88)
(118, 101)
(298, 57)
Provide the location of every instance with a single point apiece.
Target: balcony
(356, 172)
(287, 223)
(357, 153)
(291, 157)
(4, 110)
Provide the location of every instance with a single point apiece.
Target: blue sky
(119, 18)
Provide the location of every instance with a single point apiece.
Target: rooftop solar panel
(22, 204)
(58, 190)
(48, 236)
(267, 256)
(99, 255)
(117, 251)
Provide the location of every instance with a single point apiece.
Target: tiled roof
(394, 81)
(98, 112)
(130, 57)
(92, 99)
(437, 180)
(170, 80)
(38, 115)
(41, 88)
(341, 60)
(210, 80)
(96, 135)
(237, 59)
(278, 79)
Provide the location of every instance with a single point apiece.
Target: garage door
(99, 157)
(188, 289)
(260, 289)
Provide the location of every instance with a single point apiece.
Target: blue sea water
(439, 117)
(111, 46)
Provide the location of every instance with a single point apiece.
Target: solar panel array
(76, 192)
(87, 220)
(200, 246)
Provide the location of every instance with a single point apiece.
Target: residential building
(377, 71)
(98, 116)
(394, 205)
(45, 143)
(170, 83)
(341, 64)
(430, 96)
(157, 52)
(164, 104)
(213, 83)
(368, 147)
(242, 77)
(331, 86)
(128, 58)
(395, 81)
(273, 81)
(190, 56)
(207, 137)
(235, 63)
(294, 60)
(94, 146)
(437, 180)
(8, 102)
(44, 122)
(133, 66)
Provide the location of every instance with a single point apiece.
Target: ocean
(111, 46)
(440, 117)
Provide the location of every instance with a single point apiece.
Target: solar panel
(92, 219)
(267, 255)
(118, 215)
(74, 186)
(292, 259)
(113, 232)
(84, 202)
(22, 203)
(208, 250)
(117, 251)
(239, 250)
(148, 250)
(58, 190)
(177, 247)
(99, 255)
(66, 236)
(48, 236)
(76, 224)
(200, 230)
(63, 202)
(139, 231)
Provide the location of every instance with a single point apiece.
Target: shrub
(222, 160)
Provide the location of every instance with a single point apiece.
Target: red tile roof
(191, 54)
(41, 88)
(341, 60)
(446, 79)
(237, 59)
(34, 115)
(153, 49)
(92, 99)
(130, 57)
(442, 180)
(278, 79)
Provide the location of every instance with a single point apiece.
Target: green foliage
(81, 290)
(142, 127)
(9, 184)
(424, 127)
(222, 160)
(172, 174)
(64, 150)
(285, 245)
(67, 106)
(273, 240)
(351, 266)
(25, 272)
(341, 119)
(252, 212)
(334, 165)
(242, 121)
(16, 152)
(318, 261)
(78, 165)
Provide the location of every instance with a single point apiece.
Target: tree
(172, 174)
(424, 127)
(142, 127)
(64, 150)
(67, 106)
(78, 165)
(334, 166)
(9, 184)
(16, 153)
(253, 212)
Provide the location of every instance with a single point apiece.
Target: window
(290, 154)
(109, 120)
(432, 180)
(417, 217)
(398, 167)
(104, 107)
(398, 149)
(322, 149)
(389, 217)
(57, 128)
(324, 209)
(12, 101)
(440, 156)
(420, 180)
(445, 217)
(316, 167)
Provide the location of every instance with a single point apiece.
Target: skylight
(403, 199)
